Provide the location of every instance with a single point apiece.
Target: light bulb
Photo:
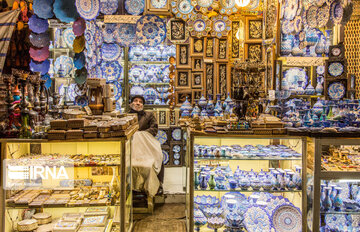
(242, 3)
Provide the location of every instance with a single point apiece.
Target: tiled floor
(166, 217)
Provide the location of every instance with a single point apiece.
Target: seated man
(147, 122)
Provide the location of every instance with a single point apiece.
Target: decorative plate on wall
(311, 16)
(126, 34)
(150, 30)
(38, 25)
(136, 90)
(65, 10)
(335, 222)
(40, 54)
(199, 25)
(204, 6)
(336, 69)
(294, 75)
(337, 12)
(257, 219)
(117, 90)
(320, 70)
(39, 40)
(136, 74)
(69, 37)
(176, 134)
(109, 32)
(228, 7)
(177, 31)
(182, 9)
(161, 136)
(110, 51)
(88, 9)
(42, 67)
(336, 90)
(111, 70)
(43, 8)
(323, 15)
(108, 7)
(135, 7)
(287, 218)
(165, 157)
(221, 25)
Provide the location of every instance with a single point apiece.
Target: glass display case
(245, 182)
(70, 184)
(333, 184)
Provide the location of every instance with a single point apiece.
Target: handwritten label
(132, 19)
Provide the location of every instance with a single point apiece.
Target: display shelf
(60, 50)
(331, 175)
(254, 159)
(340, 212)
(56, 207)
(148, 62)
(148, 83)
(249, 191)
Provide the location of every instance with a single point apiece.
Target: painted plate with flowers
(336, 90)
(126, 34)
(111, 70)
(182, 9)
(88, 9)
(135, 7)
(108, 7)
(199, 25)
(221, 25)
(110, 51)
(150, 30)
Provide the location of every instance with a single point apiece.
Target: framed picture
(172, 117)
(253, 29)
(209, 79)
(177, 31)
(222, 50)
(197, 64)
(196, 94)
(235, 43)
(197, 46)
(269, 71)
(209, 47)
(223, 80)
(158, 7)
(278, 74)
(182, 79)
(180, 96)
(163, 118)
(183, 56)
(254, 52)
(197, 79)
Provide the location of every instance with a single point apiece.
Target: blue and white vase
(202, 102)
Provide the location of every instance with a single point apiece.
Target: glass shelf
(341, 212)
(240, 158)
(148, 83)
(249, 191)
(60, 49)
(148, 62)
(60, 206)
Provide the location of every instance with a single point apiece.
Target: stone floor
(166, 217)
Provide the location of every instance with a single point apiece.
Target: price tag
(271, 95)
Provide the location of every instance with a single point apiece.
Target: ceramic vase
(196, 180)
(210, 106)
(211, 182)
(244, 183)
(320, 45)
(327, 204)
(203, 182)
(290, 184)
(297, 178)
(338, 202)
(202, 102)
(328, 42)
(274, 181)
(319, 86)
(115, 183)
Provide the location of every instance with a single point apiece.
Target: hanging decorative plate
(221, 25)
(176, 134)
(88, 9)
(335, 222)
(136, 90)
(110, 51)
(69, 37)
(63, 65)
(135, 7)
(109, 32)
(320, 70)
(98, 37)
(199, 25)
(337, 12)
(228, 7)
(165, 72)
(91, 61)
(79, 44)
(136, 73)
(176, 155)
(39, 40)
(345, 192)
(48, 80)
(253, 4)
(287, 27)
(150, 95)
(65, 10)
(43, 8)
(323, 15)
(276, 201)
(204, 6)
(40, 54)
(291, 7)
(165, 157)
(182, 9)
(298, 24)
(126, 34)
(336, 69)
(150, 30)
(111, 70)
(42, 67)
(81, 101)
(311, 16)
(79, 60)
(257, 219)
(177, 31)
(176, 148)
(294, 75)
(287, 218)
(117, 90)
(79, 26)
(176, 162)
(38, 25)
(108, 7)
(153, 73)
(161, 136)
(80, 76)
(336, 91)
(309, 220)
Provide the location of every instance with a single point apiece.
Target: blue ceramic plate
(42, 67)
(176, 162)
(136, 90)
(176, 148)
(126, 34)
(63, 65)
(111, 70)
(110, 51)
(134, 7)
(336, 90)
(161, 136)
(257, 219)
(287, 218)
(88, 9)
(69, 37)
(136, 74)
(150, 30)
(335, 222)
(79, 60)
(294, 75)
(40, 40)
(117, 90)
(165, 157)
(176, 134)
(65, 10)
(176, 155)
(38, 25)
(150, 95)
(109, 32)
(43, 8)
(108, 7)
(335, 69)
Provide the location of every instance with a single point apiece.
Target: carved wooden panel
(222, 51)
(209, 77)
(183, 56)
(235, 44)
(223, 79)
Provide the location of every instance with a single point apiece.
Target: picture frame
(197, 79)
(209, 79)
(270, 69)
(223, 79)
(222, 50)
(235, 43)
(182, 79)
(197, 46)
(180, 96)
(172, 117)
(183, 56)
(197, 64)
(196, 95)
(177, 31)
(163, 116)
(209, 47)
(254, 52)
(158, 7)
(254, 29)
